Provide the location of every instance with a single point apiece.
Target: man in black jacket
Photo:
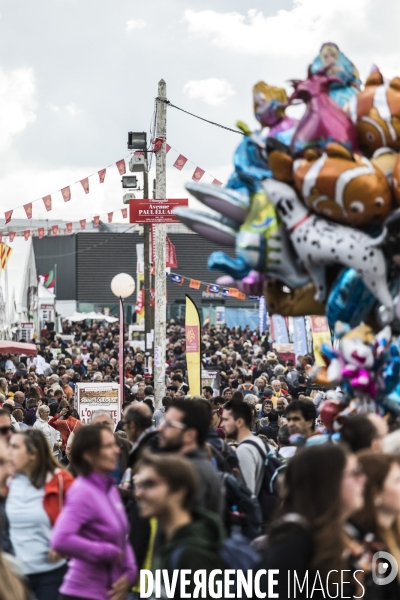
(185, 431)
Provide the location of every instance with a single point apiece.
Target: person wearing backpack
(166, 487)
(258, 462)
(236, 422)
(248, 387)
(36, 496)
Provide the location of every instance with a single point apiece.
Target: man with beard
(184, 431)
(301, 415)
(236, 422)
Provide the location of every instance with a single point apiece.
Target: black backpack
(242, 509)
(268, 494)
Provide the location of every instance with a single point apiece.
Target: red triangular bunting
(157, 144)
(85, 184)
(40, 232)
(198, 174)
(27, 233)
(167, 148)
(180, 162)
(47, 202)
(11, 236)
(28, 210)
(102, 175)
(69, 227)
(54, 229)
(110, 217)
(82, 223)
(8, 215)
(124, 212)
(121, 166)
(96, 221)
(66, 194)
(216, 182)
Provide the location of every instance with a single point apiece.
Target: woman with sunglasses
(377, 523)
(36, 495)
(93, 528)
(322, 488)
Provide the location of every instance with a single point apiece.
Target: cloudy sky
(77, 75)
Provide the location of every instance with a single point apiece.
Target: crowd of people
(243, 476)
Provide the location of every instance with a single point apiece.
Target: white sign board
(90, 397)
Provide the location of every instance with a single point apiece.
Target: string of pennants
(66, 193)
(56, 230)
(212, 288)
(181, 161)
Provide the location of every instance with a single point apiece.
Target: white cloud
(212, 91)
(135, 24)
(53, 107)
(299, 31)
(72, 109)
(17, 101)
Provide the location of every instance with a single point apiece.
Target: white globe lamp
(122, 285)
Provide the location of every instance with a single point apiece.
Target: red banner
(85, 184)
(198, 174)
(110, 217)
(8, 215)
(171, 255)
(167, 148)
(157, 144)
(124, 212)
(102, 175)
(216, 182)
(96, 221)
(155, 211)
(66, 194)
(47, 202)
(54, 229)
(69, 227)
(121, 166)
(192, 338)
(319, 324)
(139, 301)
(28, 210)
(180, 162)
(27, 234)
(82, 223)
(40, 232)
(11, 236)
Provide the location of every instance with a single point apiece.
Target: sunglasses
(4, 430)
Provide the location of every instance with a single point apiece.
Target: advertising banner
(90, 397)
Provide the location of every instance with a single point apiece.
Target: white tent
(77, 316)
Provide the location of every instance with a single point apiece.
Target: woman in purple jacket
(92, 528)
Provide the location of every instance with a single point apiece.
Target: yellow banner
(5, 253)
(321, 335)
(193, 341)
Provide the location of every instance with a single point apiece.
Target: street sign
(155, 210)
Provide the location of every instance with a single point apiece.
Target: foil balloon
(376, 113)
(342, 68)
(349, 300)
(344, 187)
(269, 108)
(320, 243)
(324, 121)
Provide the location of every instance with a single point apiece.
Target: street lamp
(122, 286)
(137, 140)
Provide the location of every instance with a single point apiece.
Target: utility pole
(147, 282)
(160, 276)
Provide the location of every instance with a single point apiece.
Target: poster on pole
(90, 397)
